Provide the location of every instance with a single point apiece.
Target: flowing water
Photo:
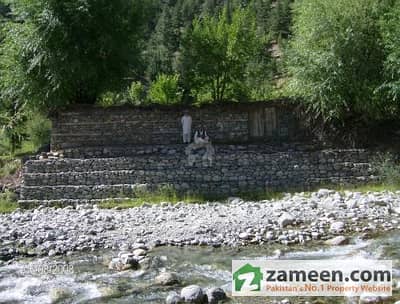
(85, 278)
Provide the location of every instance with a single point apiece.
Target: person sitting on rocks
(201, 137)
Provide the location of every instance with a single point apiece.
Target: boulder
(337, 241)
(173, 298)
(120, 265)
(166, 279)
(214, 295)
(139, 252)
(193, 294)
(286, 219)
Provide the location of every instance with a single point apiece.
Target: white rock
(286, 219)
(337, 241)
(337, 227)
(214, 295)
(193, 294)
(166, 279)
(173, 298)
(139, 252)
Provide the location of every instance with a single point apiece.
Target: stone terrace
(235, 169)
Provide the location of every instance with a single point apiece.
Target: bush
(136, 93)
(110, 99)
(9, 166)
(387, 167)
(165, 89)
(335, 60)
(69, 51)
(39, 129)
(8, 202)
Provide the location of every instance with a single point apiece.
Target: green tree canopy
(391, 40)
(71, 51)
(217, 52)
(336, 58)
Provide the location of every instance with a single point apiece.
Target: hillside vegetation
(340, 60)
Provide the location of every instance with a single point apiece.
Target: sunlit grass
(8, 202)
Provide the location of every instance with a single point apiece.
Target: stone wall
(234, 169)
(76, 129)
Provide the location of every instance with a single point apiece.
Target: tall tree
(69, 51)
(391, 41)
(336, 58)
(217, 52)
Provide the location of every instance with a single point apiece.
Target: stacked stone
(233, 170)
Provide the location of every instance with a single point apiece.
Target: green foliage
(336, 59)
(110, 99)
(8, 202)
(68, 51)
(165, 89)
(217, 52)
(12, 125)
(387, 168)
(9, 166)
(391, 41)
(279, 20)
(165, 194)
(38, 129)
(136, 93)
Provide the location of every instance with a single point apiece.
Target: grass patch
(263, 195)
(8, 202)
(169, 195)
(9, 166)
(370, 188)
(163, 194)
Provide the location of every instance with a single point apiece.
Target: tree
(336, 59)
(391, 41)
(165, 89)
(71, 51)
(280, 18)
(162, 45)
(216, 54)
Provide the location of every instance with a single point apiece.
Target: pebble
(49, 231)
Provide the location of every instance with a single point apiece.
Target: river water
(85, 278)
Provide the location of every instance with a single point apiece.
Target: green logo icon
(248, 278)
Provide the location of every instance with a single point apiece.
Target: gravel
(296, 219)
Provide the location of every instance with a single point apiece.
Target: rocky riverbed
(89, 255)
(323, 216)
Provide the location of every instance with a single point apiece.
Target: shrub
(136, 93)
(9, 166)
(8, 202)
(39, 129)
(110, 99)
(387, 167)
(165, 89)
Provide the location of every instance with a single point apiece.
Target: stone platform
(123, 172)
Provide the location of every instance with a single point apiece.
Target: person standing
(186, 122)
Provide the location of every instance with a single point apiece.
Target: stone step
(101, 192)
(181, 162)
(68, 202)
(188, 174)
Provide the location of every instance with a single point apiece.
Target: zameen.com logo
(311, 277)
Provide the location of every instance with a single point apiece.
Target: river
(85, 278)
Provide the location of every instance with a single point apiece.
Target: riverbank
(295, 219)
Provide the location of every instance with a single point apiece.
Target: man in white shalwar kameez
(186, 122)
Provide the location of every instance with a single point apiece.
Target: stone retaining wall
(233, 170)
(129, 126)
